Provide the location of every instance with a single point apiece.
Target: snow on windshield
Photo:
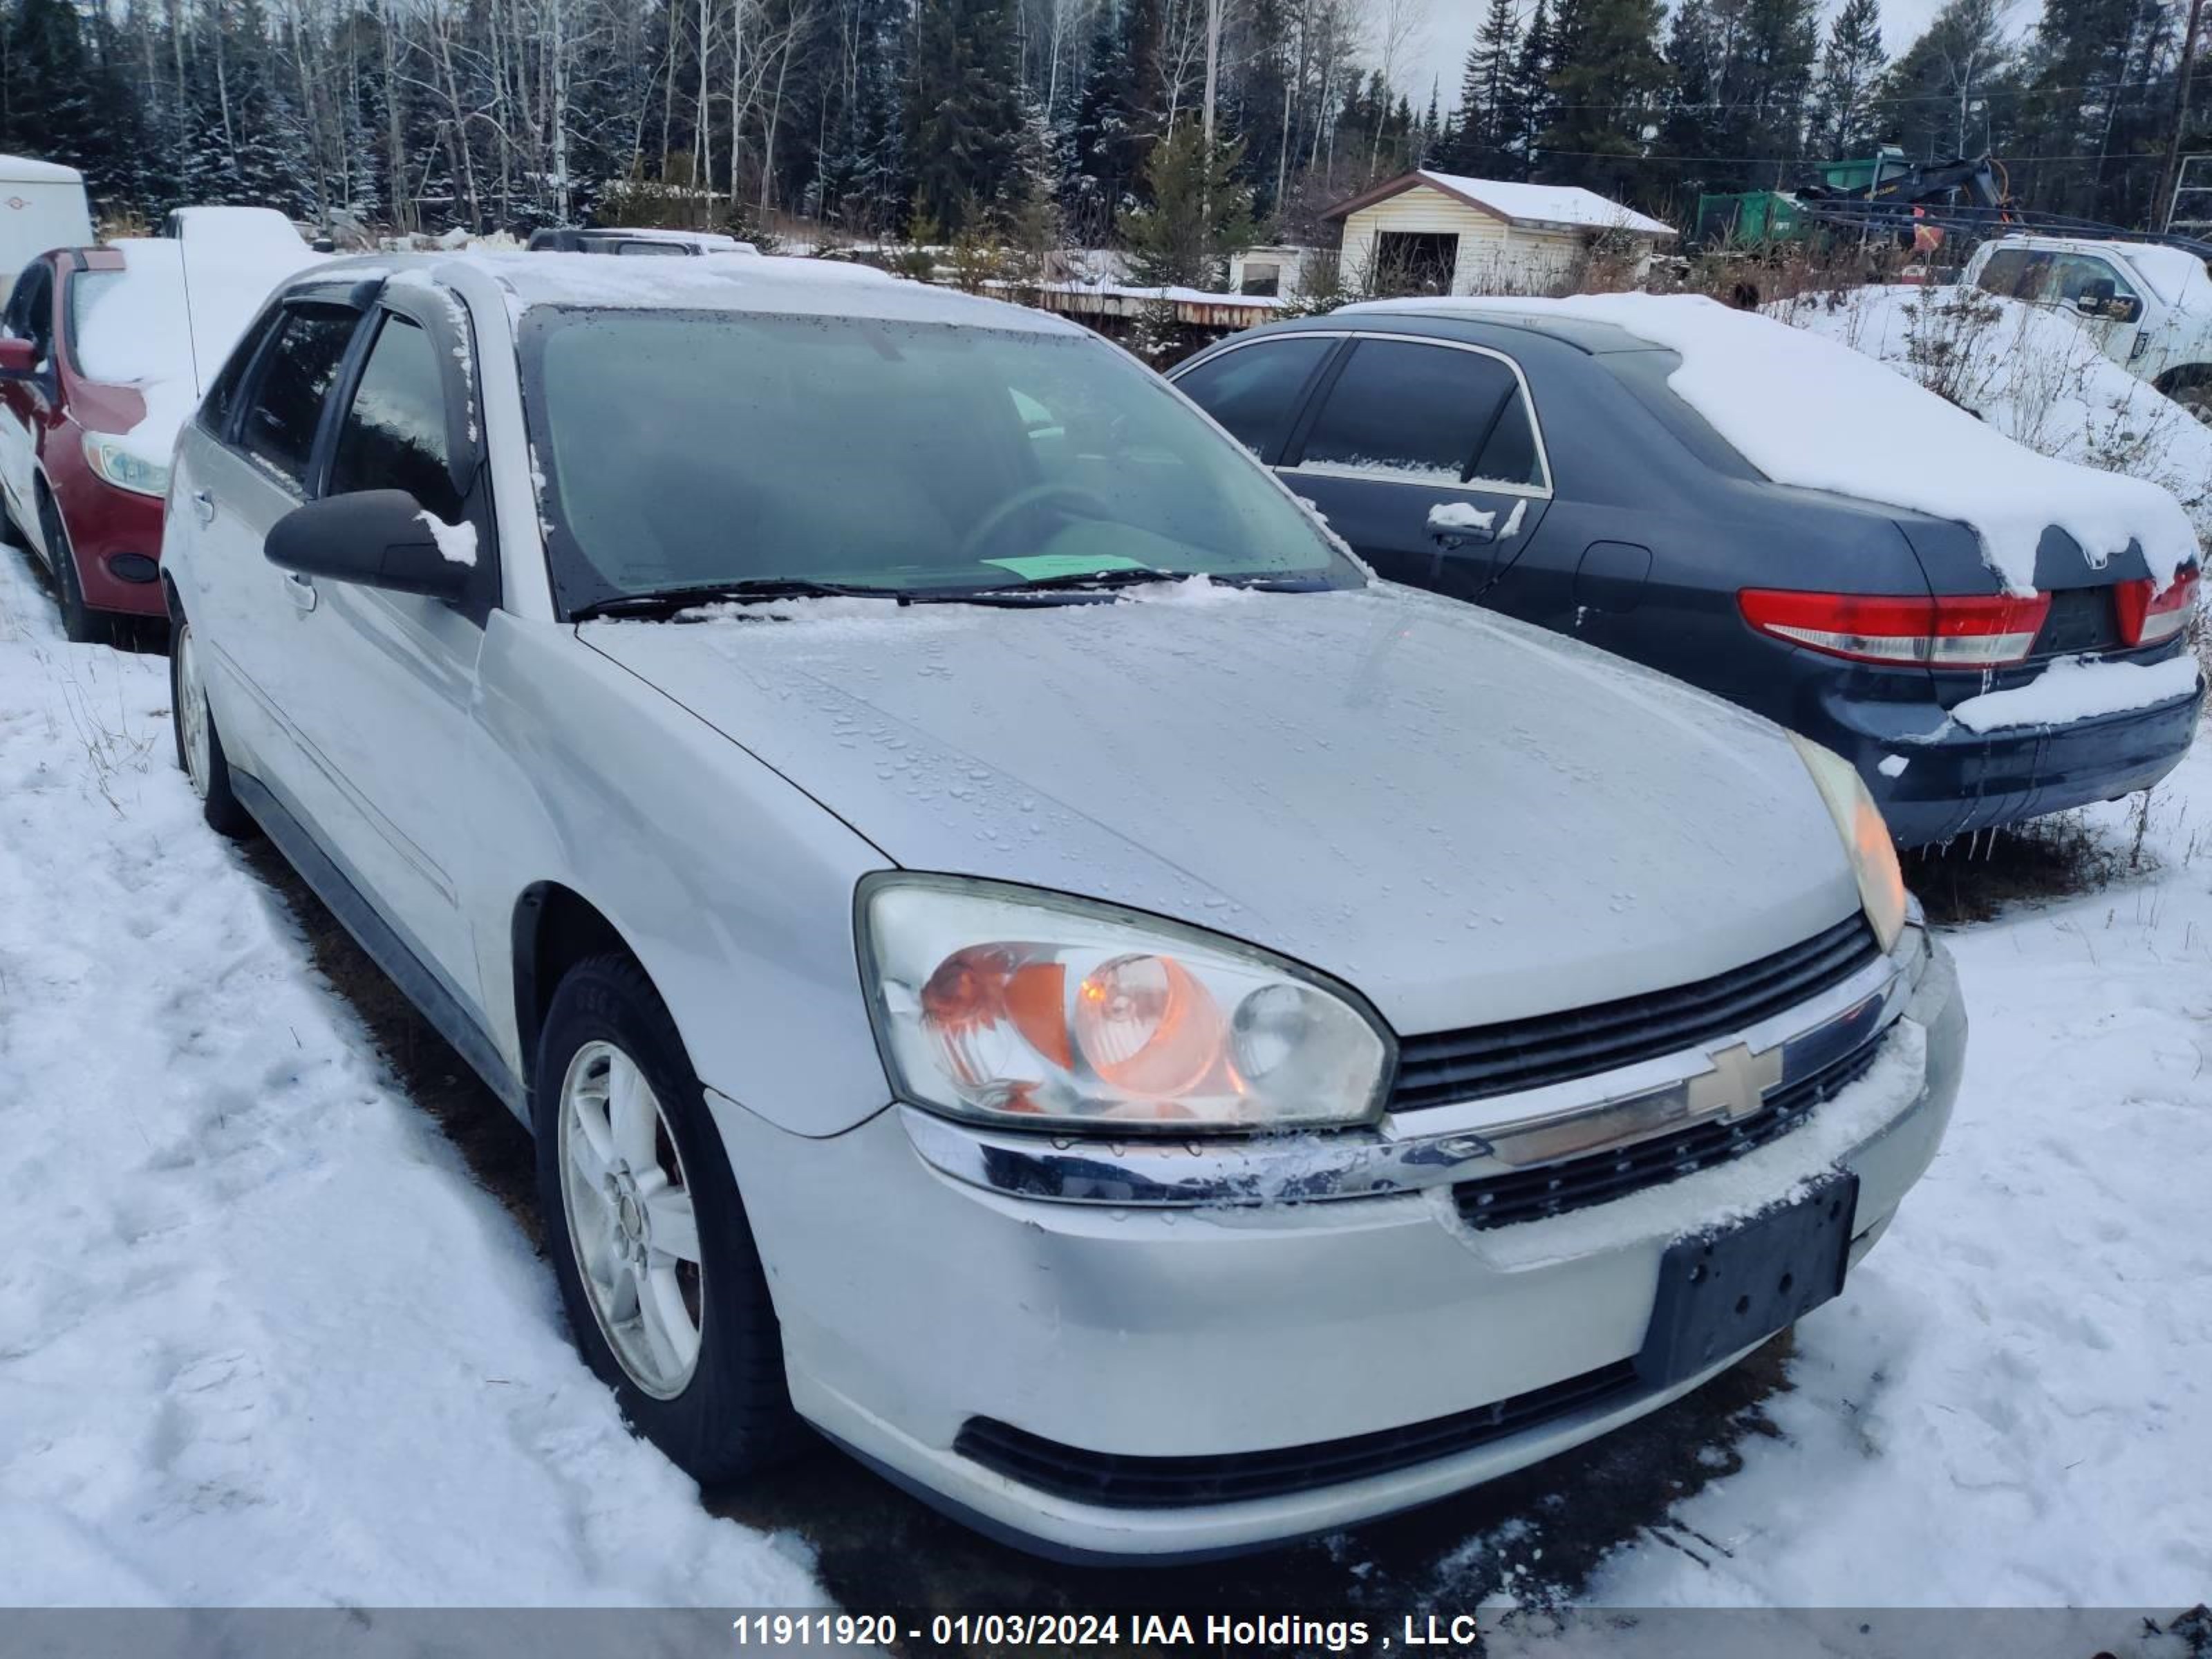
(1814, 413)
(130, 328)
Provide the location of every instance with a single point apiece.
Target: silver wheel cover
(627, 1205)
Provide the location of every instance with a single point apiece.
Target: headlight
(1866, 838)
(124, 468)
(1014, 1005)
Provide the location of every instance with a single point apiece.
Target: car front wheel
(663, 1288)
(81, 625)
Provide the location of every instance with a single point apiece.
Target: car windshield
(130, 326)
(684, 450)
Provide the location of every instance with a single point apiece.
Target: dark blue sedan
(1538, 463)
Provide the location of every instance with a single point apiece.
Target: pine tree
(1960, 61)
(1765, 84)
(1607, 87)
(1530, 99)
(1488, 104)
(1843, 116)
(966, 111)
(1198, 215)
(1694, 53)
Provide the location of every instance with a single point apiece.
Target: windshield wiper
(665, 602)
(1093, 582)
(1115, 577)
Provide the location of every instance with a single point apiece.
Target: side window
(296, 376)
(2075, 273)
(31, 308)
(2004, 273)
(14, 320)
(1509, 455)
(394, 433)
(214, 407)
(1416, 412)
(1253, 390)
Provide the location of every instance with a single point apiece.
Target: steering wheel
(1093, 505)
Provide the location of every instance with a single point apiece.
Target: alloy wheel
(627, 1205)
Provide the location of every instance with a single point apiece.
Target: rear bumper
(914, 1304)
(1958, 781)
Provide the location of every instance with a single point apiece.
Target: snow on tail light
(1950, 631)
(2151, 618)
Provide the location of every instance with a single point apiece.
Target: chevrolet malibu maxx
(1017, 951)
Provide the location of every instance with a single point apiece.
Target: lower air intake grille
(1117, 1481)
(1449, 1066)
(1576, 1183)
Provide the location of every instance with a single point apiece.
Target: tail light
(1951, 631)
(2149, 618)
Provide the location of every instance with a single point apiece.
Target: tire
(81, 624)
(2196, 398)
(199, 745)
(696, 1361)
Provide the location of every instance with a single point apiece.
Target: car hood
(1467, 819)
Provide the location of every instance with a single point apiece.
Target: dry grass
(1977, 877)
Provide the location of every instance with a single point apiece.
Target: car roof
(1447, 322)
(739, 284)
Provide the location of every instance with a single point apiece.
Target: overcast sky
(1451, 25)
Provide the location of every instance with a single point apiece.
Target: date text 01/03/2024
(1258, 1633)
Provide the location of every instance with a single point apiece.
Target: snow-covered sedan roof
(762, 283)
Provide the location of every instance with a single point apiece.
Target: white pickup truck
(2149, 307)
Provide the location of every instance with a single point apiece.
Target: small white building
(1280, 270)
(1439, 233)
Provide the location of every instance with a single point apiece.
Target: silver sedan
(1017, 950)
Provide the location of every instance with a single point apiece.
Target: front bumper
(1959, 781)
(915, 1302)
(117, 538)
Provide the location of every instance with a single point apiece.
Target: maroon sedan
(96, 377)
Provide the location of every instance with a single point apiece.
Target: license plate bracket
(1726, 1289)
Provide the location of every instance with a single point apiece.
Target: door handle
(204, 506)
(302, 588)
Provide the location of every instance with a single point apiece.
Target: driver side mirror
(377, 539)
(18, 360)
(2095, 299)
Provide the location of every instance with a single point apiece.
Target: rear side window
(394, 433)
(215, 407)
(1254, 391)
(1418, 412)
(296, 376)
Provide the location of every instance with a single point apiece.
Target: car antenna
(191, 335)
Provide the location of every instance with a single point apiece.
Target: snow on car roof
(764, 284)
(1816, 414)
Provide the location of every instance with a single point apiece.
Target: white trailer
(42, 206)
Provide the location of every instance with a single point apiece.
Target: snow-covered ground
(2011, 1405)
(262, 1339)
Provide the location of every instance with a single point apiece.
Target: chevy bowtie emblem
(1737, 1084)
